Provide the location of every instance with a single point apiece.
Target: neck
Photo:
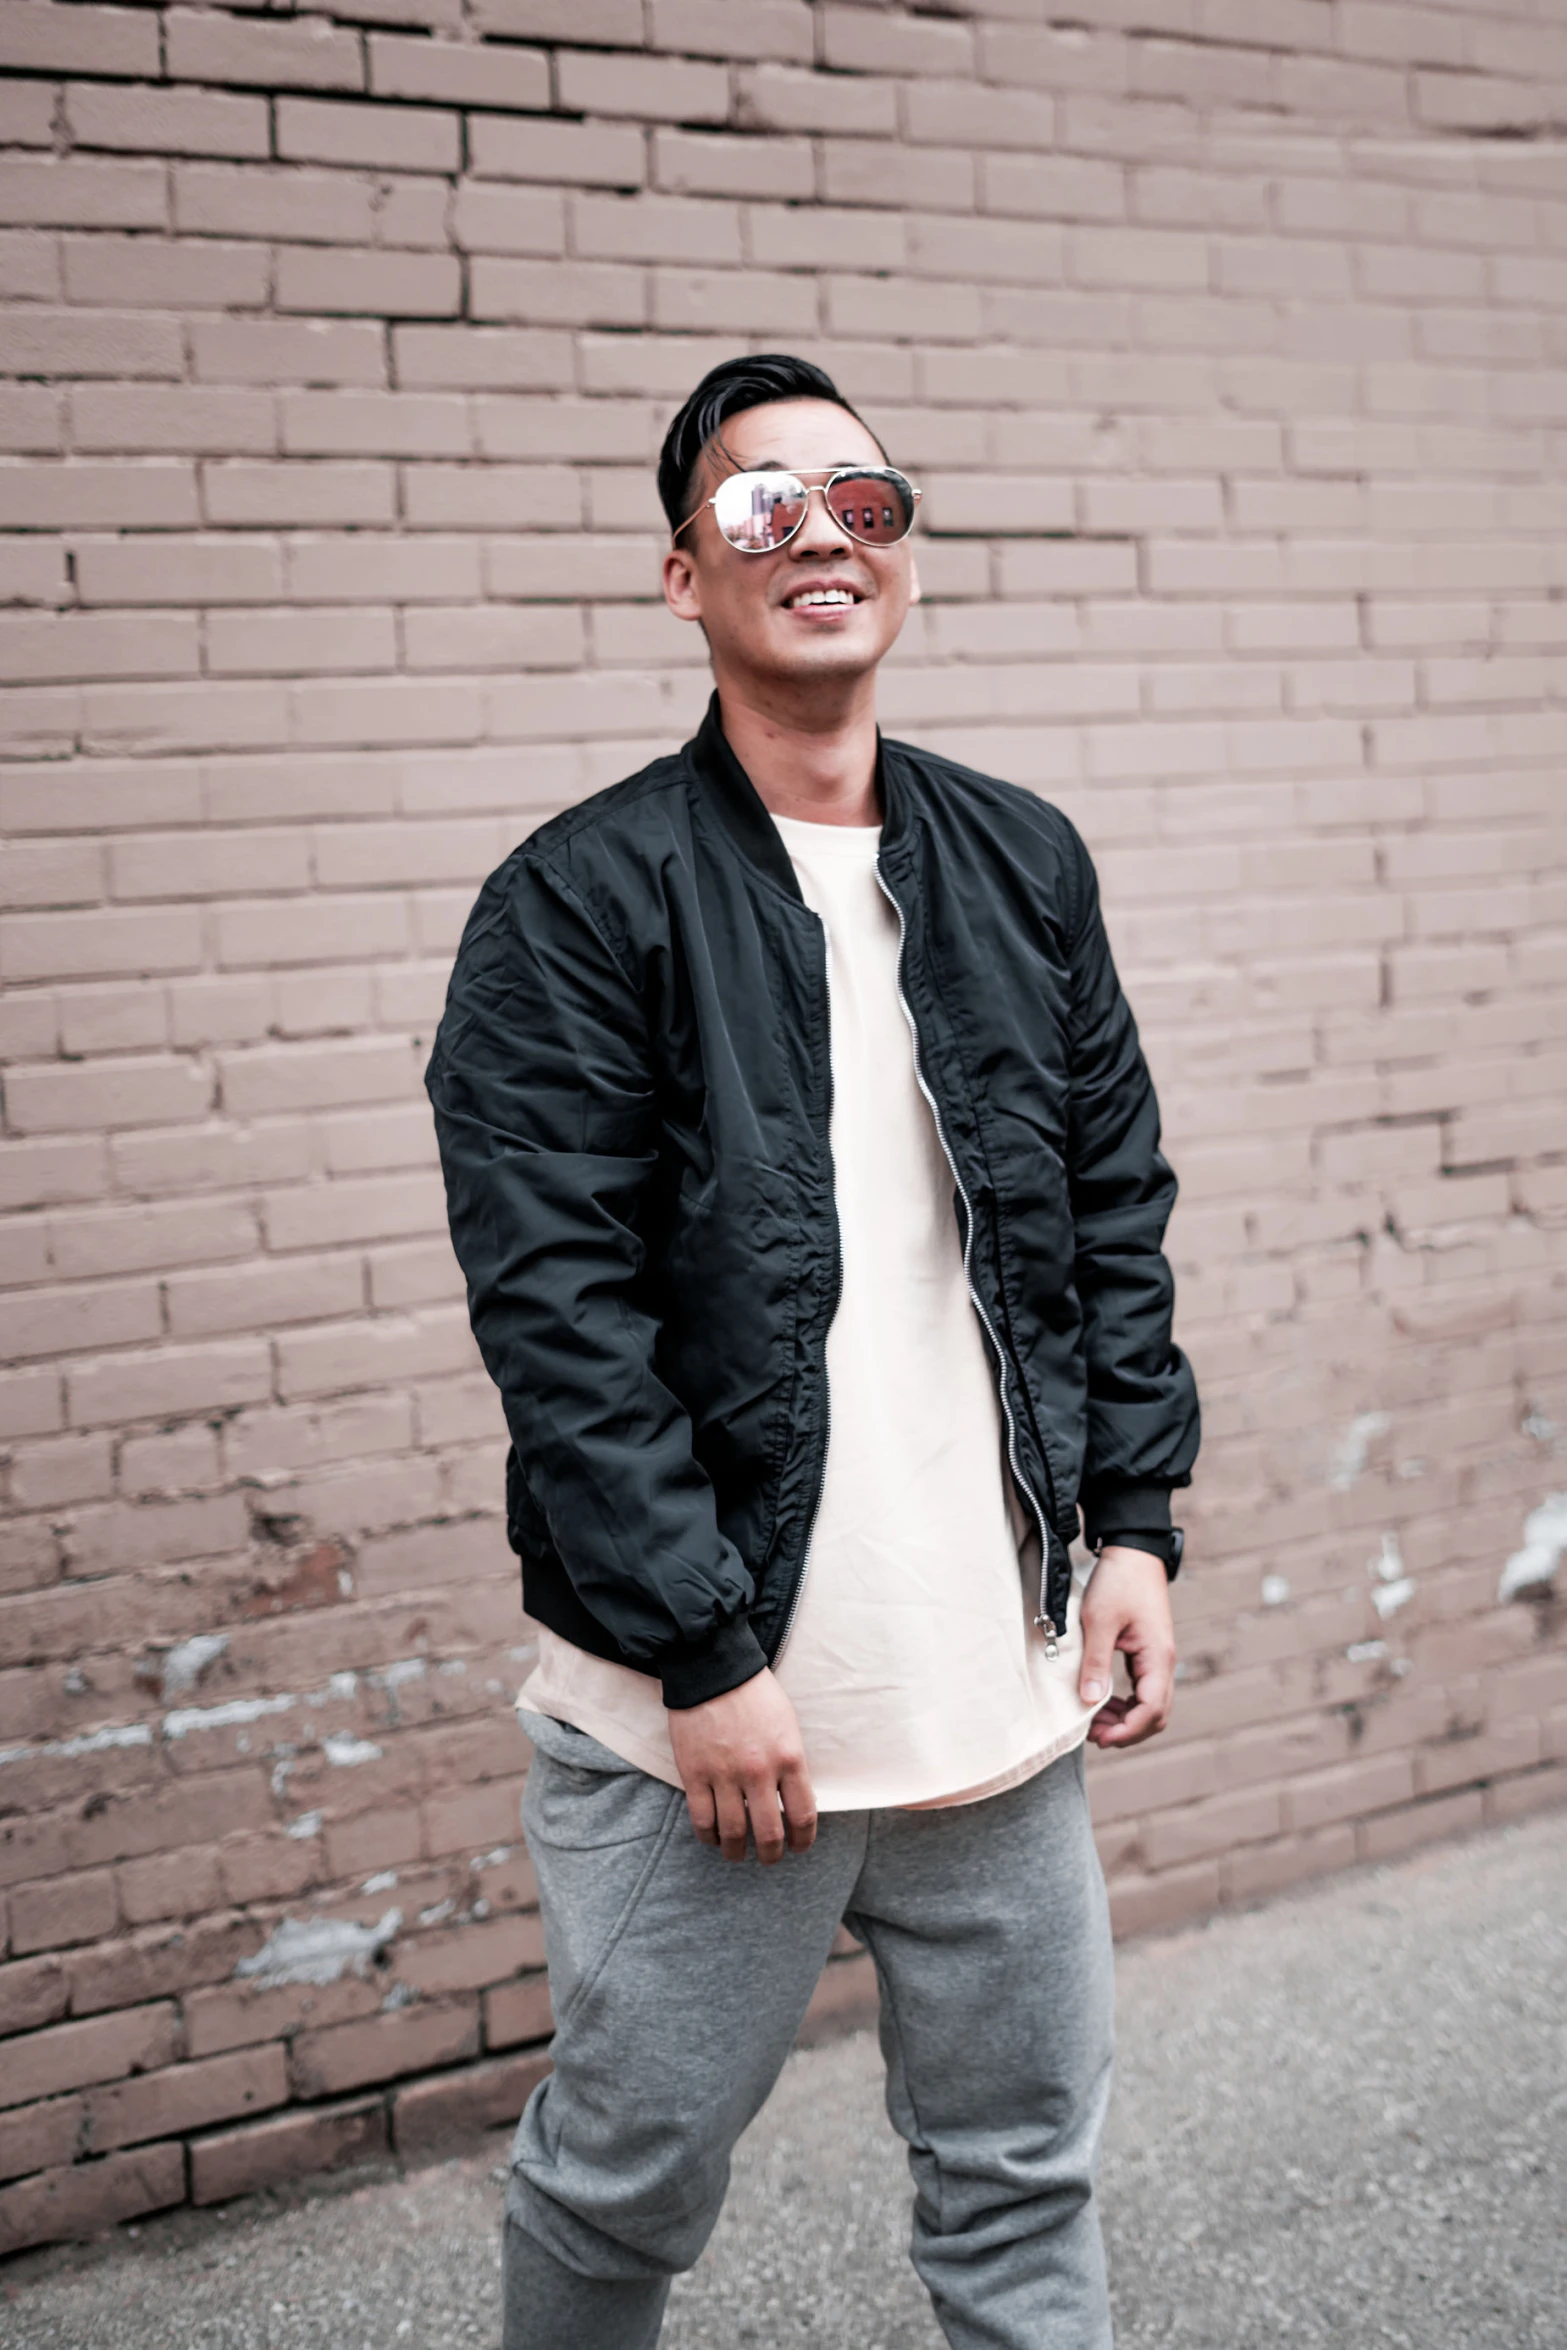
(816, 762)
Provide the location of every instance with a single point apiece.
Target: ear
(914, 580)
(681, 592)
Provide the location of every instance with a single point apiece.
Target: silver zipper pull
(1046, 1625)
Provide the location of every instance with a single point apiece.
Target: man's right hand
(742, 1762)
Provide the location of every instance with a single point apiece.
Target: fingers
(767, 1820)
(799, 1806)
(702, 1804)
(1127, 1721)
(733, 1821)
(1099, 1642)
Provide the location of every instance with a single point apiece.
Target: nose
(820, 533)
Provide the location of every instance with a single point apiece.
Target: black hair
(728, 390)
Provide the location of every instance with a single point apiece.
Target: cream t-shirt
(913, 1661)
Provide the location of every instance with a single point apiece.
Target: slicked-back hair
(728, 390)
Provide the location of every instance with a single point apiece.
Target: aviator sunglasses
(760, 512)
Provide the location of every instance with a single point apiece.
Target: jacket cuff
(707, 1668)
(1114, 1508)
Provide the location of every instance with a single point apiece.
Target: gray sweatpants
(679, 1980)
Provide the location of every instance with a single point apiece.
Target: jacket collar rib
(735, 799)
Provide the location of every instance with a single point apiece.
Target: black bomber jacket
(632, 1084)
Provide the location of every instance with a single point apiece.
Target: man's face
(753, 607)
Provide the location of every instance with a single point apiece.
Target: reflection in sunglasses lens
(760, 511)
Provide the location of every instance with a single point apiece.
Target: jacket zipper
(1043, 1619)
(837, 1293)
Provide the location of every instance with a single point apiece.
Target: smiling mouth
(818, 599)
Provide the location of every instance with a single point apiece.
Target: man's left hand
(1127, 1606)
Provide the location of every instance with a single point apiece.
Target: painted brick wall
(1229, 339)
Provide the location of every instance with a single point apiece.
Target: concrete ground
(1340, 2120)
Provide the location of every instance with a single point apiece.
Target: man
(805, 1171)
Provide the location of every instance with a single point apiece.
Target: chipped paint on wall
(1275, 1590)
(1347, 1461)
(345, 1750)
(1391, 1588)
(1544, 1541)
(188, 1663)
(224, 1717)
(316, 1950)
(87, 1742)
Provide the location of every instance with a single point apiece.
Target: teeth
(823, 596)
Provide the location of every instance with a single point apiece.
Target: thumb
(1098, 1661)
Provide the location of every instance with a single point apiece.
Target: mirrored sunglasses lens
(876, 508)
(758, 511)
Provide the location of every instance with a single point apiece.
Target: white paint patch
(316, 1950)
(381, 1882)
(1365, 1652)
(1391, 1588)
(89, 1742)
(1347, 1461)
(1544, 1541)
(344, 1749)
(490, 1860)
(184, 1665)
(1275, 1590)
(307, 1824)
(223, 1717)
(433, 1917)
(407, 1668)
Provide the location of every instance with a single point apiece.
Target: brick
(557, 293)
(100, 41)
(734, 28)
(691, 163)
(297, 642)
(339, 279)
(310, 54)
(778, 98)
(287, 351)
(482, 357)
(159, 418)
(69, 343)
(458, 74)
(470, 1957)
(59, 193)
(27, 114)
(299, 206)
(150, 273)
(303, 494)
(870, 171)
(149, 120)
(617, 22)
(83, 645)
(101, 2048)
(651, 89)
(50, 1475)
(346, 2056)
(377, 138)
(39, 2137)
(33, 1991)
(518, 2011)
(82, 2200)
(493, 497)
(135, 1386)
(408, 571)
(289, 2146)
(573, 154)
(429, 2116)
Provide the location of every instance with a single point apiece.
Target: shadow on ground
(1339, 2121)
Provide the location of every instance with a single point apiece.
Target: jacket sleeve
(1143, 1424)
(542, 1085)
